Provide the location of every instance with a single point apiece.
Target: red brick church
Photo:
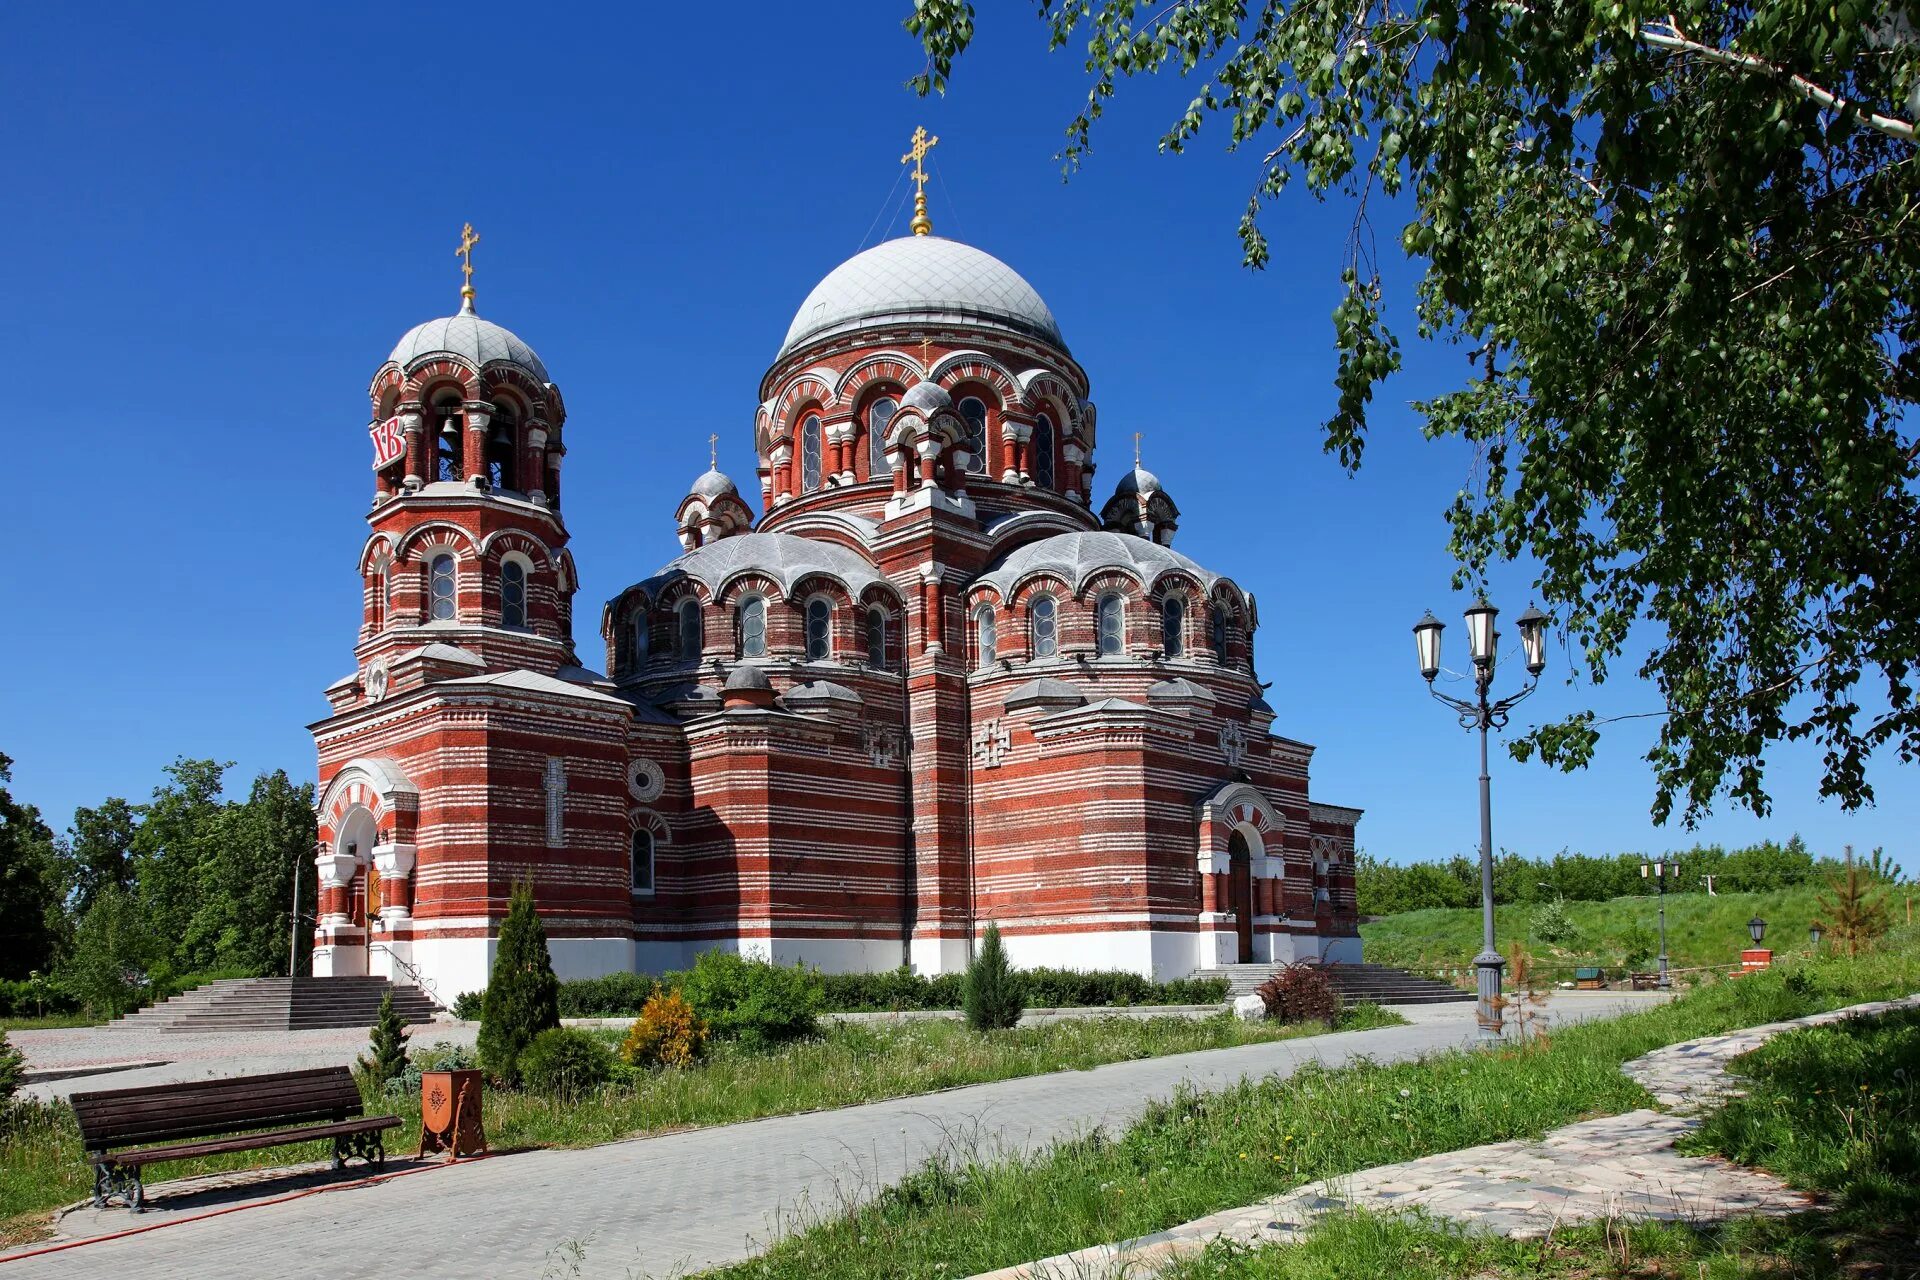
(935, 683)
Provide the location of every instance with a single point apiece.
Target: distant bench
(192, 1119)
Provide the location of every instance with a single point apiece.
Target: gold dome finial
(465, 252)
(713, 452)
(922, 225)
(1136, 451)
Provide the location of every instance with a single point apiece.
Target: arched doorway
(358, 833)
(1240, 892)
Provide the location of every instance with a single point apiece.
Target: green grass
(1700, 931)
(41, 1164)
(972, 1212)
(50, 1021)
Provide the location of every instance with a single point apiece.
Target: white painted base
(933, 956)
(335, 961)
(1151, 953)
(1340, 950)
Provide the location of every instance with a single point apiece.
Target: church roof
(922, 278)
(784, 557)
(1075, 557)
(478, 342)
(713, 484)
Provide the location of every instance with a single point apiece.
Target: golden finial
(465, 252)
(1136, 451)
(713, 452)
(926, 357)
(922, 225)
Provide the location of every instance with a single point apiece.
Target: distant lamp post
(1482, 713)
(1661, 870)
(1814, 931)
(1756, 956)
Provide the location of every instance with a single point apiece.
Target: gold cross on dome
(713, 451)
(926, 356)
(922, 225)
(465, 252)
(1136, 451)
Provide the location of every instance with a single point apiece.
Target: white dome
(1075, 557)
(479, 342)
(922, 278)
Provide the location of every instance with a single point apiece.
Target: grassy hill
(1700, 931)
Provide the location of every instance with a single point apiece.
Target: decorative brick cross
(992, 741)
(1233, 742)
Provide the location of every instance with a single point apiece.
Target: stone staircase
(281, 1004)
(1356, 983)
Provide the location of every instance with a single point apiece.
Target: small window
(819, 630)
(1043, 452)
(985, 637)
(513, 595)
(642, 855)
(440, 589)
(500, 450)
(877, 638)
(1110, 615)
(689, 637)
(810, 455)
(753, 627)
(637, 627)
(973, 412)
(1173, 626)
(879, 418)
(1219, 633)
(555, 785)
(1042, 616)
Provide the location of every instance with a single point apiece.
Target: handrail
(420, 979)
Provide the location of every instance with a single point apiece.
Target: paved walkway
(681, 1202)
(1621, 1166)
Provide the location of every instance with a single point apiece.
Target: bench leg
(371, 1147)
(110, 1180)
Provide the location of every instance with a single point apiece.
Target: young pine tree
(386, 1056)
(523, 996)
(1855, 909)
(993, 994)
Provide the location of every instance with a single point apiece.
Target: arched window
(819, 630)
(973, 412)
(1110, 619)
(440, 589)
(637, 625)
(879, 418)
(985, 637)
(500, 448)
(689, 637)
(642, 856)
(1173, 626)
(1219, 632)
(810, 454)
(877, 638)
(1043, 452)
(513, 594)
(1042, 617)
(753, 627)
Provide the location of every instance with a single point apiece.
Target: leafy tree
(523, 996)
(100, 848)
(1854, 906)
(993, 996)
(32, 924)
(248, 876)
(1677, 243)
(386, 1056)
(113, 950)
(176, 853)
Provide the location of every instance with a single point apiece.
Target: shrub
(611, 995)
(35, 996)
(469, 1005)
(668, 1033)
(757, 1003)
(1193, 991)
(1074, 988)
(1300, 992)
(440, 1056)
(522, 998)
(564, 1063)
(994, 997)
(13, 1069)
(1552, 922)
(1637, 946)
(386, 1056)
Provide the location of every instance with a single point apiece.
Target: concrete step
(264, 1004)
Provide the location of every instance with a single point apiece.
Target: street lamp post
(1483, 713)
(1662, 870)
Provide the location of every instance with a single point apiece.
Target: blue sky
(223, 217)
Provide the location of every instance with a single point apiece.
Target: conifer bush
(668, 1033)
(522, 997)
(13, 1069)
(564, 1063)
(386, 1056)
(994, 996)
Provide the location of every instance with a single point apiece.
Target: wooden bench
(208, 1117)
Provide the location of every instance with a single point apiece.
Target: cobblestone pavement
(1620, 1166)
(678, 1202)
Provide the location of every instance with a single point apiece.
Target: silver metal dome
(713, 484)
(922, 278)
(1075, 557)
(479, 342)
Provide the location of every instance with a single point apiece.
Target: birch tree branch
(1672, 38)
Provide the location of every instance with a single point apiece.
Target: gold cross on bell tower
(465, 253)
(713, 451)
(922, 225)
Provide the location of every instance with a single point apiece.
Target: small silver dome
(922, 278)
(1139, 480)
(748, 676)
(714, 484)
(928, 397)
(478, 342)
